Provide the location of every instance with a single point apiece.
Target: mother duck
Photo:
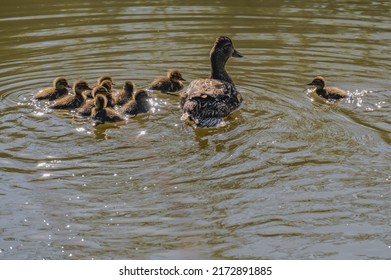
(206, 102)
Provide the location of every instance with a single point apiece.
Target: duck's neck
(218, 68)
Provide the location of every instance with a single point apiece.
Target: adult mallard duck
(206, 102)
(126, 94)
(101, 113)
(172, 82)
(72, 101)
(139, 104)
(332, 93)
(59, 89)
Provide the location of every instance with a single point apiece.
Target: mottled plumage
(172, 82)
(101, 113)
(86, 107)
(206, 102)
(327, 92)
(126, 94)
(59, 89)
(140, 104)
(72, 101)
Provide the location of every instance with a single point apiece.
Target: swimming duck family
(172, 82)
(206, 102)
(332, 93)
(60, 88)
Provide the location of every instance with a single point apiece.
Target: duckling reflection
(172, 82)
(60, 88)
(206, 102)
(72, 101)
(330, 93)
(140, 104)
(101, 113)
(126, 94)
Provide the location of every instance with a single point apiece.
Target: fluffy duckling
(88, 105)
(101, 113)
(126, 94)
(60, 88)
(172, 82)
(72, 101)
(108, 84)
(206, 102)
(139, 104)
(332, 93)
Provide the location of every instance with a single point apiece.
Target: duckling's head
(175, 76)
(100, 102)
(61, 83)
(102, 78)
(224, 48)
(141, 95)
(107, 84)
(99, 90)
(129, 86)
(318, 81)
(80, 86)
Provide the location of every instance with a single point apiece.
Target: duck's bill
(237, 54)
(310, 84)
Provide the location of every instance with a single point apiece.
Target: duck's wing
(207, 87)
(335, 93)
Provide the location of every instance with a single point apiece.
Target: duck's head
(107, 84)
(175, 76)
(99, 90)
(318, 81)
(102, 78)
(224, 48)
(80, 86)
(61, 83)
(129, 86)
(141, 95)
(100, 101)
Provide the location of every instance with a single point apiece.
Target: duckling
(125, 94)
(101, 114)
(139, 104)
(108, 84)
(172, 82)
(72, 101)
(206, 102)
(60, 88)
(88, 105)
(332, 93)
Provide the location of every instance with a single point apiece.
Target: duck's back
(207, 101)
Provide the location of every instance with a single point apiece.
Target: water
(288, 177)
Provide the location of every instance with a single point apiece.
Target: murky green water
(287, 178)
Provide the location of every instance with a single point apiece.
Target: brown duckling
(101, 113)
(108, 84)
(86, 107)
(206, 102)
(126, 94)
(139, 104)
(172, 82)
(60, 88)
(72, 101)
(332, 93)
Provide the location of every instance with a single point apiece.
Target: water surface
(288, 177)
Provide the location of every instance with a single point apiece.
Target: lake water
(289, 177)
